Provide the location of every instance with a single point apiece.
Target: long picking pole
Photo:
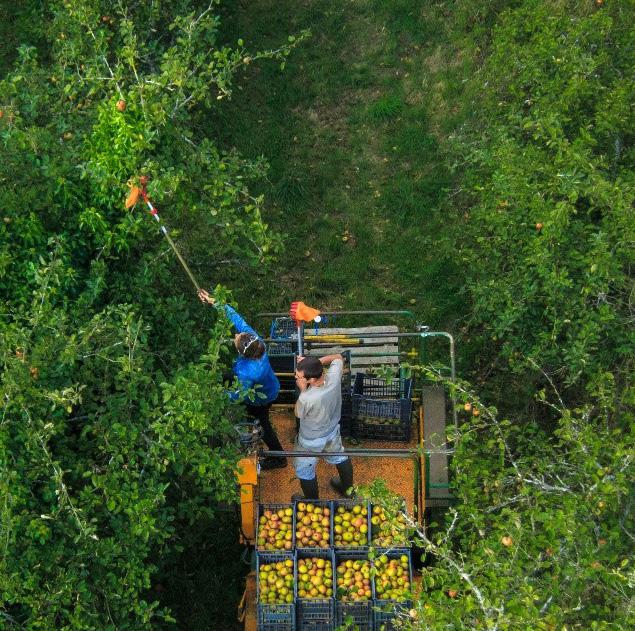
(164, 230)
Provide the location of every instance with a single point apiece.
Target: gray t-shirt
(320, 407)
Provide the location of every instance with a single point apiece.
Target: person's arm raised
(238, 321)
(327, 360)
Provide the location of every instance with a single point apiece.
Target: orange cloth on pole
(302, 313)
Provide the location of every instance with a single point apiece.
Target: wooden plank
(361, 364)
(433, 398)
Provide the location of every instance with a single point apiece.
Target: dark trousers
(261, 412)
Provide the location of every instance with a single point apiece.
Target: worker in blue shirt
(254, 372)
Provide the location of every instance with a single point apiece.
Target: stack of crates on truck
(382, 409)
(392, 585)
(275, 581)
(284, 332)
(346, 423)
(315, 588)
(351, 531)
(326, 574)
(354, 590)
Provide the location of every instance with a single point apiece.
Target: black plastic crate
(384, 610)
(348, 504)
(262, 508)
(315, 614)
(359, 613)
(274, 617)
(382, 410)
(323, 504)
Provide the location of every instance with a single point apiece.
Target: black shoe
(310, 491)
(273, 463)
(344, 481)
(336, 484)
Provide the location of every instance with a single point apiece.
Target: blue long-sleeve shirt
(252, 373)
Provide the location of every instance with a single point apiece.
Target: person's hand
(301, 382)
(205, 297)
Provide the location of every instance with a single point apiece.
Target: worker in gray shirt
(319, 408)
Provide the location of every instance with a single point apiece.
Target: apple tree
(114, 427)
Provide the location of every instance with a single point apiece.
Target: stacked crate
(333, 580)
(382, 409)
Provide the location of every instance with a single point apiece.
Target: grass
(355, 142)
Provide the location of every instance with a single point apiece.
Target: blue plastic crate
(323, 504)
(349, 503)
(315, 614)
(359, 613)
(386, 611)
(276, 507)
(382, 410)
(274, 617)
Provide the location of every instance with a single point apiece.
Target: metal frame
(419, 455)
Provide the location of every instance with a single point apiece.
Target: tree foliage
(541, 533)
(548, 227)
(112, 430)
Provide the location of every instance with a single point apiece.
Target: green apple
(351, 527)
(353, 580)
(275, 582)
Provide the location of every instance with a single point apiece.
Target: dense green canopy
(489, 172)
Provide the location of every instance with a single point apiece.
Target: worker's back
(320, 407)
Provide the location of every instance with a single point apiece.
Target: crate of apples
(350, 525)
(388, 533)
(314, 575)
(313, 524)
(275, 528)
(393, 577)
(275, 579)
(353, 579)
